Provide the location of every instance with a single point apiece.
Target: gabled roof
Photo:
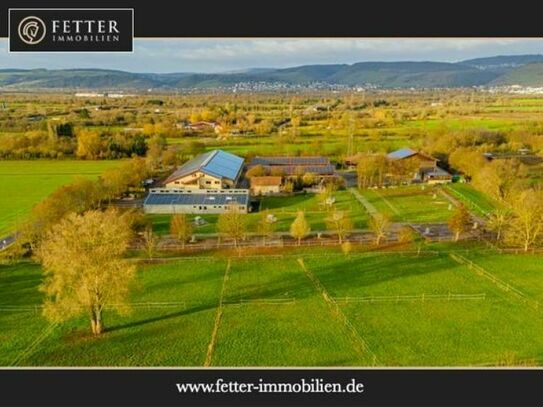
(216, 163)
(265, 181)
(406, 153)
(401, 153)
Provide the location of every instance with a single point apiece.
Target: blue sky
(219, 55)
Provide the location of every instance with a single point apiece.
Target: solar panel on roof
(194, 199)
(217, 163)
(401, 153)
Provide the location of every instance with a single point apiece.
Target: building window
(208, 182)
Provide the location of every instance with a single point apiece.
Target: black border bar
(339, 18)
(382, 387)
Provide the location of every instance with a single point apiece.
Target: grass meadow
(25, 183)
(275, 314)
(416, 204)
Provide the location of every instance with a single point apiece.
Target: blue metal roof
(401, 153)
(196, 199)
(217, 163)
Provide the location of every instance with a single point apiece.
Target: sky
(225, 55)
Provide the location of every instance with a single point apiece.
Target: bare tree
(379, 224)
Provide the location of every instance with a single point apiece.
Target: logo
(31, 30)
(64, 30)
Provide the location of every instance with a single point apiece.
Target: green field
(284, 208)
(475, 200)
(25, 183)
(274, 314)
(420, 203)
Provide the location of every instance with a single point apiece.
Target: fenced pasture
(284, 208)
(414, 204)
(315, 307)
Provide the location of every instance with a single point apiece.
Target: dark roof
(298, 161)
(216, 163)
(437, 172)
(314, 169)
(195, 199)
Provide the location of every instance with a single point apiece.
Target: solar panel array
(224, 164)
(319, 169)
(217, 163)
(318, 160)
(401, 153)
(195, 199)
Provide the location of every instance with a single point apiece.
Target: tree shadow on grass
(177, 314)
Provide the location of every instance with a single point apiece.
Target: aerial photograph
(273, 202)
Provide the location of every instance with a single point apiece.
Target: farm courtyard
(302, 308)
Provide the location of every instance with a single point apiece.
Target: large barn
(425, 166)
(172, 201)
(215, 169)
(294, 166)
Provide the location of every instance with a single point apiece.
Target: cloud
(215, 55)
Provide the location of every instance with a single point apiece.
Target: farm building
(199, 126)
(171, 201)
(215, 169)
(267, 185)
(424, 166)
(295, 166)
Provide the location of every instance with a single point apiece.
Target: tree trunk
(456, 236)
(526, 246)
(299, 241)
(96, 322)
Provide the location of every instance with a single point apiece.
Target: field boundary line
(411, 298)
(363, 348)
(218, 318)
(508, 288)
(30, 348)
(389, 204)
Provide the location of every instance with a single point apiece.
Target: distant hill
(523, 69)
(502, 63)
(527, 75)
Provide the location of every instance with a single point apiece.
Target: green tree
(233, 225)
(300, 228)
